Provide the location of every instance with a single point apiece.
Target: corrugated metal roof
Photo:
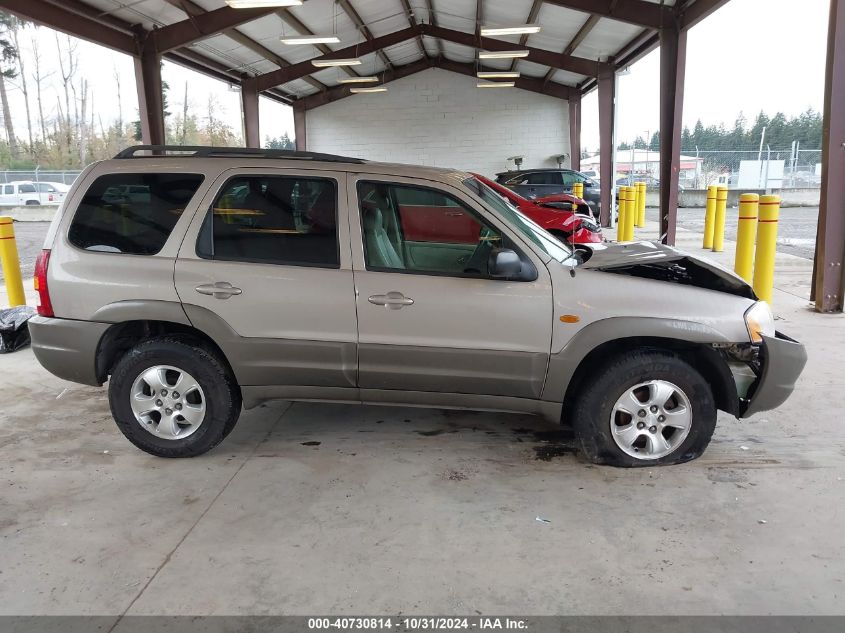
(253, 47)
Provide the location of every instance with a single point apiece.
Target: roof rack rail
(202, 151)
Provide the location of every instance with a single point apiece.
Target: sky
(102, 66)
(747, 56)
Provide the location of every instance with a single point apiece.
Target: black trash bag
(14, 333)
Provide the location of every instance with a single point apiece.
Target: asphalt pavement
(30, 239)
(796, 227)
(796, 232)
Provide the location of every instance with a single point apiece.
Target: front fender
(563, 364)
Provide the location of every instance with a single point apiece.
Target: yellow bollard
(630, 214)
(10, 263)
(746, 234)
(710, 216)
(719, 219)
(767, 237)
(642, 188)
(635, 199)
(622, 199)
(578, 189)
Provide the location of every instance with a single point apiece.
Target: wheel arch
(598, 342)
(121, 337)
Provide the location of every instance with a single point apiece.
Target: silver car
(242, 276)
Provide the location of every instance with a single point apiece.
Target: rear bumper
(67, 348)
(782, 361)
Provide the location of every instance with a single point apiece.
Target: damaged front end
(650, 260)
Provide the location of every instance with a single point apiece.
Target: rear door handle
(393, 300)
(218, 290)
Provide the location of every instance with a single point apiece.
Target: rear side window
(131, 213)
(545, 178)
(285, 220)
(9, 189)
(26, 188)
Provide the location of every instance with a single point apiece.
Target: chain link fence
(39, 175)
(753, 169)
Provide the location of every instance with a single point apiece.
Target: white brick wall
(440, 118)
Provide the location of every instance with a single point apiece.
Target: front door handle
(218, 290)
(393, 300)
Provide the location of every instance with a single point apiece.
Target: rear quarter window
(131, 213)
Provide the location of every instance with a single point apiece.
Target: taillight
(50, 197)
(45, 308)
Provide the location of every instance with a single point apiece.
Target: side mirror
(504, 264)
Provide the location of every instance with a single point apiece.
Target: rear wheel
(173, 399)
(647, 408)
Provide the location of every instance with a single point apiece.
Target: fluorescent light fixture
(495, 84)
(525, 29)
(262, 4)
(501, 54)
(497, 74)
(357, 91)
(357, 80)
(328, 63)
(310, 39)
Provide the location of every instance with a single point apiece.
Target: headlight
(759, 321)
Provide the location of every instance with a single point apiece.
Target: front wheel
(649, 407)
(172, 399)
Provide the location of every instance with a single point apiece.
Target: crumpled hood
(653, 260)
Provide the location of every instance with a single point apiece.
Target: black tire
(594, 406)
(222, 396)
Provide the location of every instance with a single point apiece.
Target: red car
(563, 215)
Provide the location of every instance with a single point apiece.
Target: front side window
(284, 220)
(570, 178)
(423, 230)
(131, 213)
(510, 214)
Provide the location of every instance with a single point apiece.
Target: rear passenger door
(265, 269)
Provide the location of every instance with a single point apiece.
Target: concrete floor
(421, 511)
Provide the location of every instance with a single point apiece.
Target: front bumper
(782, 360)
(67, 348)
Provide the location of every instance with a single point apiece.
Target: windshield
(543, 240)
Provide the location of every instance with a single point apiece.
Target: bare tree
(81, 135)
(185, 116)
(119, 122)
(39, 78)
(8, 55)
(24, 87)
(68, 61)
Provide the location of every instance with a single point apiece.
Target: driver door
(430, 318)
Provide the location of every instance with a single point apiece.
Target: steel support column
(249, 107)
(607, 118)
(575, 131)
(673, 59)
(150, 101)
(828, 277)
(299, 127)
